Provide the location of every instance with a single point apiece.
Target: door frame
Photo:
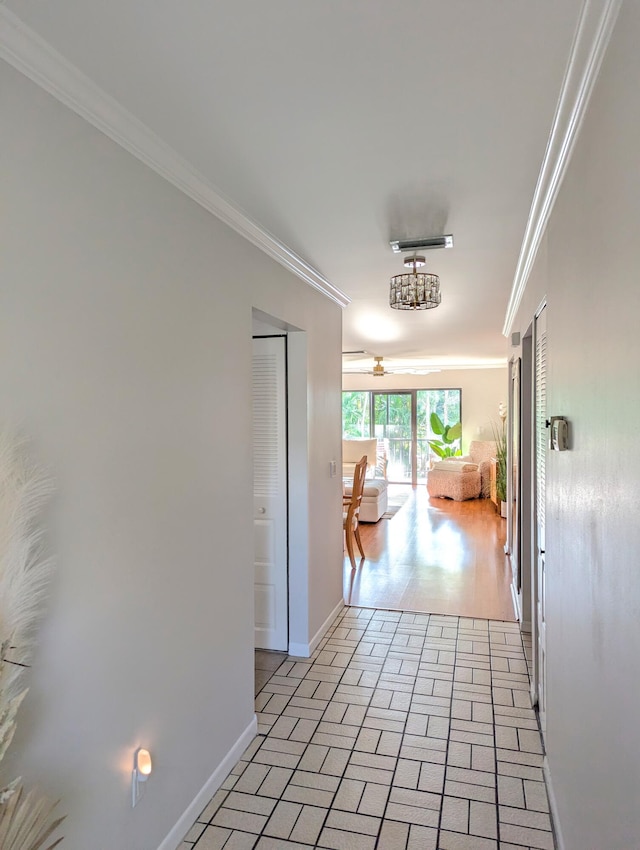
(283, 353)
(527, 479)
(535, 543)
(514, 480)
(297, 475)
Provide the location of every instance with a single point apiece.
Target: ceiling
(342, 124)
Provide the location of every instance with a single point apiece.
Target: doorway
(539, 574)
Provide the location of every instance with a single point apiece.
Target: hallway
(436, 556)
(402, 732)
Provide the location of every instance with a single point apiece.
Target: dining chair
(351, 510)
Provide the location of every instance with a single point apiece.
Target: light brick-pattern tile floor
(402, 732)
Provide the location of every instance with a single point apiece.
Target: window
(447, 403)
(356, 415)
(403, 420)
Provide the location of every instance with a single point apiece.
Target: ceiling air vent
(421, 244)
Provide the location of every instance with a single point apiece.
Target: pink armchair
(483, 452)
(466, 477)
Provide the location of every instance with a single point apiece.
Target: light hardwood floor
(435, 556)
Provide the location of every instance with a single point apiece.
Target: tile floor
(266, 664)
(402, 732)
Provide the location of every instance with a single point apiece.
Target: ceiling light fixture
(400, 246)
(414, 290)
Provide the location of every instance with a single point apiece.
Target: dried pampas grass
(25, 818)
(25, 823)
(24, 571)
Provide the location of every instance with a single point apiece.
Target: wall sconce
(142, 768)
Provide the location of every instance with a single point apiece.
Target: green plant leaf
(455, 431)
(437, 448)
(436, 424)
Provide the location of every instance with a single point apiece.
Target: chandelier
(414, 290)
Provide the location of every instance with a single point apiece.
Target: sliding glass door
(403, 420)
(393, 422)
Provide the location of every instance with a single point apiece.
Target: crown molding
(397, 367)
(595, 25)
(34, 57)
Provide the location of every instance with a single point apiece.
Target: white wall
(126, 318)
(482, 392)
(588, 269)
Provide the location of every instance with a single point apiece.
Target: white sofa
(375, 498)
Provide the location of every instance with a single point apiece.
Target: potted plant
(500, 437)
(449, 445)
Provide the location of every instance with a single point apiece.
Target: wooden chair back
(352, 503)
(353, 508)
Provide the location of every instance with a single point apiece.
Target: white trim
(533, 692)
(525, 626)
(305, 650)
(189, 816)
(595, 25)
(553, 805)
(30, 54)
(515, 598)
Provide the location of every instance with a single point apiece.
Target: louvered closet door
(540, 504)
(270, 493)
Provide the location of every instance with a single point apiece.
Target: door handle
(262, 510)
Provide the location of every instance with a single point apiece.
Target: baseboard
(305, 650)
(553, 806)
(525, 626)
(188, 818)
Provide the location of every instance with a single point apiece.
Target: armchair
(466, 477)
(483, 452)
(375, 498)
(374, 449)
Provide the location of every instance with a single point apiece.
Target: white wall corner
(553, 806)
(213, 783)
(34, 57)
(305, 650)
(595, 26)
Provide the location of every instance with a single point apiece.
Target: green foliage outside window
(356, 415)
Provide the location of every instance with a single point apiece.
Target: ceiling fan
(379, 370)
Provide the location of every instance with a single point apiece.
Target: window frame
(414, 418)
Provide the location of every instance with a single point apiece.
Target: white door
(541, 458)
(270, 493)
